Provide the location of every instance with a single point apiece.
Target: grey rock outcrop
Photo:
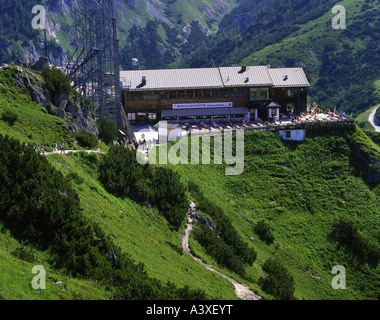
(76, 111)
(73, 108)
(204, 221)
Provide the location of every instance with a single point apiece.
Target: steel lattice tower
(94, 65)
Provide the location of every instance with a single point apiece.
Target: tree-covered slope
(304, 204)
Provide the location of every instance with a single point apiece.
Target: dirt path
(372, 120)
(67, 151)
(241, 290)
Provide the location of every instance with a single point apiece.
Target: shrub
(278, 282)
(10, 117)
(363, 249)
(24, 253)
(122, 175)
(75, 177)
(108, 132)
(264, 231)
(218, 249)
(119, 171)
(87, 139)
(56, 81)
(227, 232)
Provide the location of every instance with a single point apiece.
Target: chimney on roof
(243, 68)
(143, 81)
(246, 79)
(285, 78)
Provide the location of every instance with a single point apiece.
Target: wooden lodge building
(230, 93)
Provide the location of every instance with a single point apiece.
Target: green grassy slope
(145, 235)
(16, 276)
(301, 189)
(33, 124)
(362, 120)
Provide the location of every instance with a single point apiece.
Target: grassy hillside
(362, 120)
(33, 123)
(307, 192)
(143, 233)
(303, 190)
(16, 275)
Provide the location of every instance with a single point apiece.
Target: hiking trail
(242, 291)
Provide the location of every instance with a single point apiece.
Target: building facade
(203, 94)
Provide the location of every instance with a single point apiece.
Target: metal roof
(288, 77)
(164, 79)
(250, 76)
(222, 77)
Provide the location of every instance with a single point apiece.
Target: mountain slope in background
(164, 27)
(342, 65)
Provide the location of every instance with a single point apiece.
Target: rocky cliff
(75, 109)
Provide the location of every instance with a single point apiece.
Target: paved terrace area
(150, 133)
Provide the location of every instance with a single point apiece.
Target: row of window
(256, 94)
(185, 94)
(140, 115)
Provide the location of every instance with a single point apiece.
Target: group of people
(55, 146)
(61, 147)
(133, 144)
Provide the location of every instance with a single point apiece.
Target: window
(129, 96)
(215, 93)
(198, 93)
(138, 96)
(290, 93)
(131, 116)
(163, 94)
(152, 116)
(223, 93)
(232, 92)
(290, 107)
(172, 94)
(169, 118)
(150, 96)
(264, 94)
(237, 116)
(259, 94)
(189, 94)
(181, 94)
(206, 93)
(288, 134)
(241, 92)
